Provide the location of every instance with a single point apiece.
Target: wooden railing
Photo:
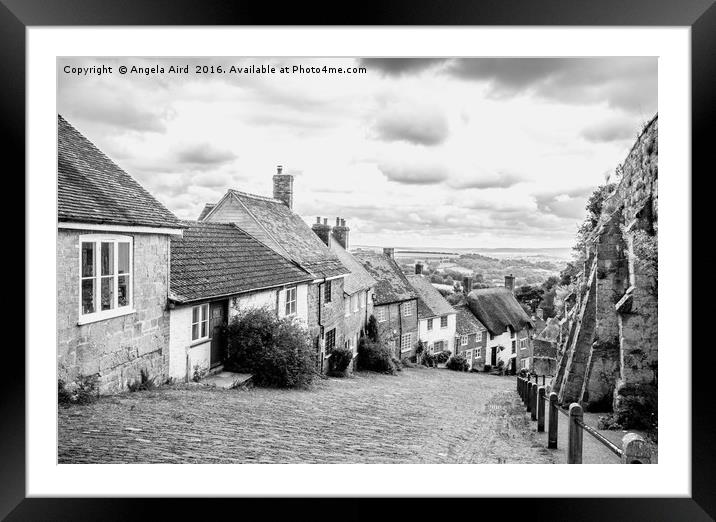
(634, 449)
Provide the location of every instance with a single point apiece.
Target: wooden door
(217, 314)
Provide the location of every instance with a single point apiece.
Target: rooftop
(466, 322)
(359, 279)
(391, 283)
(430, 303)
(497, 309)
(219, 259)
(91, 188)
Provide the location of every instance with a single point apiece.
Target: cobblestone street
(417, 416)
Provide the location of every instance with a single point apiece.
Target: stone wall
(327, 315)
(610, 354)
(116, 349)
(396, 324)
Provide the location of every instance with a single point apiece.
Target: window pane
(88, 306)
(123, 257)
(107, 258)
(194, 332)
(203, 328)
(195, 314)
(205, 312)
(87, 259)
(107, 296)
(123, 291)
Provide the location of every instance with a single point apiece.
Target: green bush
(84, 390)
(277, 352)
(457, 363)
(339, 361)
(375, 357)
(144, 383)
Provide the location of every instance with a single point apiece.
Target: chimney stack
(340, 232)
(540, 313)
(418, 268)
(510, 283)
(467, 285)
(322, 230)
(389, 251)
(283, 187)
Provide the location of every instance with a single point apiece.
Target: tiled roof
(219, 259)
(497, 309)
(466, 322)
(205, 211)
(430, 303)
(274, 224)
(359, 279)
(391, 283)
(91, 188)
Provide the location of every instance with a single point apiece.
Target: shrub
(276, 351)
(442, 357)
(144, 383)
(429, 360)
(375, 357)
(457, 363)
(397, 363)
(84, 390)
(339, 361)
(488, 367)
(371, 329)
(408, 362)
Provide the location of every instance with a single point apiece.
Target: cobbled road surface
(419, 415)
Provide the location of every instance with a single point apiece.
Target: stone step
(227, 380)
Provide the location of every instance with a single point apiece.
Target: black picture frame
(699, 15)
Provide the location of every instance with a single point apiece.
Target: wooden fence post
(533, 401)
(635, 450)
(574, 451)
(553, 421)
(540, 409)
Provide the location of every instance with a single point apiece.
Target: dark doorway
(493, 356)
(218, 313)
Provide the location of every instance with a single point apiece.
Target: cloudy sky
(485, 152)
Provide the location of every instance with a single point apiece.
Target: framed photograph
(417, 256)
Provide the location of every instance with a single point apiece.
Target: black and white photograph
(357, 260)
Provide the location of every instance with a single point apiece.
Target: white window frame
(478, 336)
(408, 309)
(447, 321)
(287, 305)
(464, 339)
(523, 343)
(116, 311)
(380, 314)
(468, 356)
(430, 324)
(409, 336)
(203, 318)
(327, 292)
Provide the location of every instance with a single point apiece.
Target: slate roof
(466, 323)
(91, 188)
(497, 309)
(391, 283)
(359, 279)
(204, 211)
(276, 226)
(430, 302)
(220, 259)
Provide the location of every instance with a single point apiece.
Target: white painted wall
(267, 298)
(439, 334)
(505, 339)
(182, 355)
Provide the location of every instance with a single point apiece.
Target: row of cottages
(113, 254)
(217, 269)
(138, 289)
(395, 302)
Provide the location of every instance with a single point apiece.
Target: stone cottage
(395, 302)
(273, 222)
(112, 268)
(358, 285)
(508, 325)
(218, 270)
(436, 317)
(470, 337)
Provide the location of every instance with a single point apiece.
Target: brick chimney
(283, 187)
(418, 268)
(389, 251)
(510, 283)
(467, 285)
(340, 232)
(322, 230)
